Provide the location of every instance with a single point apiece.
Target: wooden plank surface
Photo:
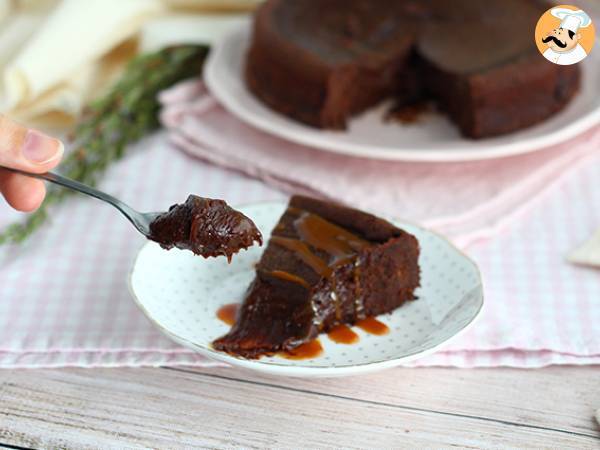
(465, 392)
(219, 408)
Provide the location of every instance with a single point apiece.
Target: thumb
(27, 149)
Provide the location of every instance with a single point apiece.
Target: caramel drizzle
(289, 277)
(324, 235)
(321, 234)
(302, 250)
(334, 240)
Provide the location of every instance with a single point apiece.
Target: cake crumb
(408, 114)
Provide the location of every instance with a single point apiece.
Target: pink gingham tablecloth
(64, 298)
(466, 200)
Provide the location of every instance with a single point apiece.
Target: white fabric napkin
(215, 5)
(54, 55)
(5, 7)
(180, 28)
(108, 22)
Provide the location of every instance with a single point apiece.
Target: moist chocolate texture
(324, 265)
(323, 61)
(207, 227)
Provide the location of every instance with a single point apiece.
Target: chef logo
(565, 35)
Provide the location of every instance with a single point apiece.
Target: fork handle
(68, 183)
(133, 216)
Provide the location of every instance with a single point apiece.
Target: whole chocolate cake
(325, 265)
(323, 61)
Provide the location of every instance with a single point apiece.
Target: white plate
(433, 138)
(181, 293)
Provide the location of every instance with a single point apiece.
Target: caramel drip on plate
(289, 277)
(228, 313)
(342, 334)
(373, 326)
(312, 349)
(308, 350)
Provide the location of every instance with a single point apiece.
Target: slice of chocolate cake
(325, 265)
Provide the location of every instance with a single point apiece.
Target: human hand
(28, 150)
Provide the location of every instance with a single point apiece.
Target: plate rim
(310, 137)
(309, 371)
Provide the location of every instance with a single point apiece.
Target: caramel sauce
(316, 232)
(373, 326)
(324, 235)
(308, 350)
(343, 334)
(304, 253)
(228, 313)
(408, 114)
(340, 334)
(289, 277)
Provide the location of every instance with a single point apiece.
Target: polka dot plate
(181, 293)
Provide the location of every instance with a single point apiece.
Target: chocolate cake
(323, 61)
(206, 226)
(325, 265)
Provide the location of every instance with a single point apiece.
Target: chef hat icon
(571, 20)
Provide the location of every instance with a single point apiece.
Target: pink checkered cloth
(64, 298)
(466, 200)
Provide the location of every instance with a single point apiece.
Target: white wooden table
(223, 407)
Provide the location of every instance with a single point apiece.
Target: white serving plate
(181, 293)
(433, 138)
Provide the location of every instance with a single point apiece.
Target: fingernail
(41, 149)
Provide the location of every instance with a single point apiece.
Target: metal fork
(141, 221)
